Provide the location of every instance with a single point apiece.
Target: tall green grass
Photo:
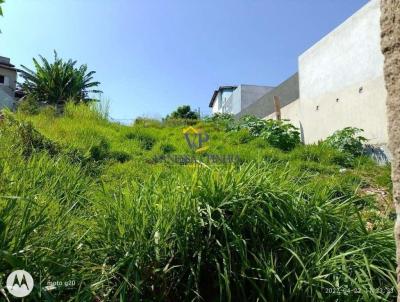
(281, 226)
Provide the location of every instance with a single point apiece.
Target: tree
(55, 83)
(390, 44)
(183, 112)
(1, 11)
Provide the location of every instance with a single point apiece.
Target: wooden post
(277, 103)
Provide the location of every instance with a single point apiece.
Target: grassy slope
(297, 225)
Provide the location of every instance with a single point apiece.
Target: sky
(152, 56)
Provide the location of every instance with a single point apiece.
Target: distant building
(219, 98)
(234, 99)
(8, 83)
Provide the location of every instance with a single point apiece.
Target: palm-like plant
(1, 11)
(55, 83)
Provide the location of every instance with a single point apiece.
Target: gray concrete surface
(341, 81)
(288, 92)
(7, 89)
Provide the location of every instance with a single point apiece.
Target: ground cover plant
(85, 210)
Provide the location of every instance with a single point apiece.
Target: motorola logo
(19, 283)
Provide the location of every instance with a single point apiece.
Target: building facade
(339, 84)
(234, 99)
(8, 83)
(341, 81)
(219, 99)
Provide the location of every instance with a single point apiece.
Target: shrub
(242, 136)
(100, 151)
(321, 153)
(177, 122)
(183, 112)
(167, 148)
(29, 106)
(278, 134)
(146, 141)
(119, 156)
(281, 135)
(147, 122)
(221, 119)
(33, 141)
(347, 140)
(255, 125)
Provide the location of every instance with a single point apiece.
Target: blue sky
(154, 55)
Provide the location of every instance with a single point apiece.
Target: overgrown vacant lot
(83, 200)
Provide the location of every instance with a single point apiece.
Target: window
(2, 79)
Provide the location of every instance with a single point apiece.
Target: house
(8, 83)
(234, 99)
(340, 83)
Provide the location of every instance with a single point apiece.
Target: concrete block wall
(341, 81)
(288, 91)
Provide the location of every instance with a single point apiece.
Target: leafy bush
(167, 148)
(242, 136)
(183, 112)
(347, 140)
(219, 117)
(278, 134)
(220, 120)
(255, 125)
(100, 151)
(281, 135)
(147, 122)
(119, 156)
(29, 106)
(146, 141)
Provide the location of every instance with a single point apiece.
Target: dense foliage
(278, 134)
(58, 82)
(347, 140)
(279, 226)
(183, 112)
(1, 11)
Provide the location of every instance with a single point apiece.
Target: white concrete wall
(341, 81)
(225, 106)
(6, 100)
(235, 101)
(251, 93)
(323, 115)
(290, 112)
(214, 108)
(10, 77)
(348, 55)
(221, 103)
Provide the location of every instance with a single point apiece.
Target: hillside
(105, 214)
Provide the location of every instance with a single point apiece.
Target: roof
(5, 63)
(216, 93)
(8, 67)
